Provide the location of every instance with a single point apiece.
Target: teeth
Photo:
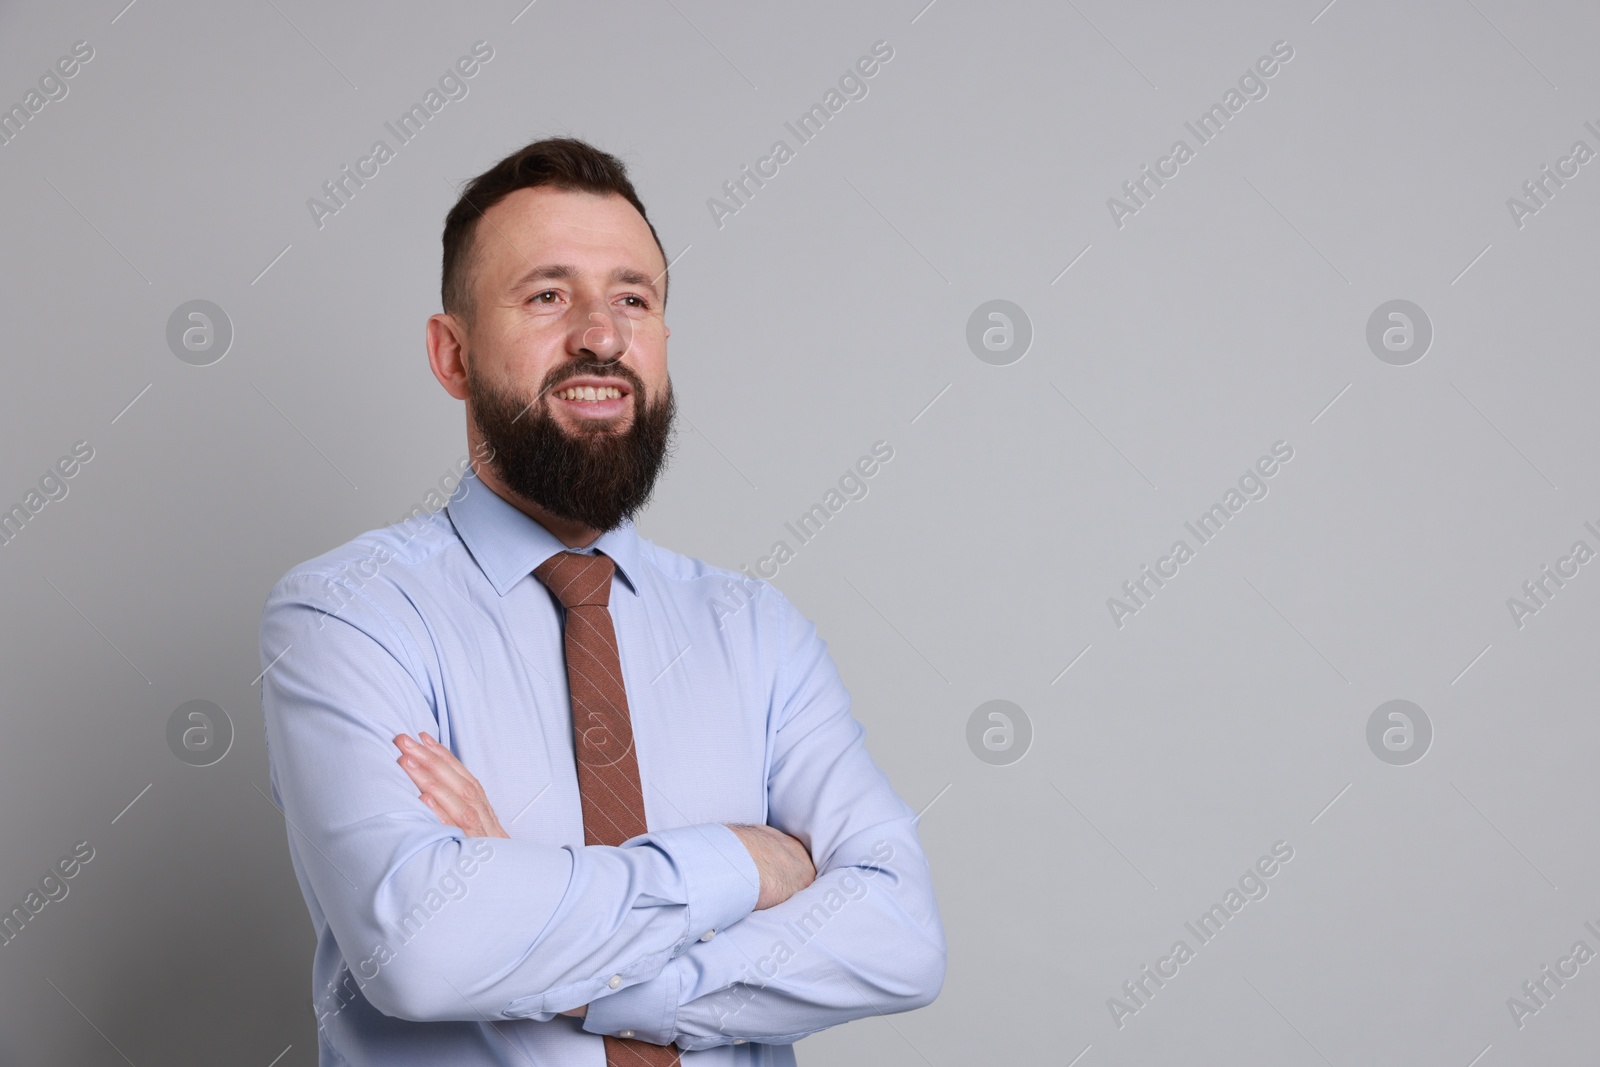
(589, 392)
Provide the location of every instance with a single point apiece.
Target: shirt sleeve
(534, 929)
(865, 938)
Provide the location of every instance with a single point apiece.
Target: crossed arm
(618, 931)
(452, 793)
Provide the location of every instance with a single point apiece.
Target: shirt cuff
(646, 1011)
(721, 881)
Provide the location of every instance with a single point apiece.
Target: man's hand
(448, 788)
(784, 863)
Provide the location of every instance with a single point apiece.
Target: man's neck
(569, 532)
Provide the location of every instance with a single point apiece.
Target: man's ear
(447, 353)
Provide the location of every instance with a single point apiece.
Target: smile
(589, 392)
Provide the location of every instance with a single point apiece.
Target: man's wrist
(721, 880)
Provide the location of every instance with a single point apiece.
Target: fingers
(448, 788)
(452, 776)
(429, 763)
(453, 813)
(447, 768)
(441, 797)
(423, 767)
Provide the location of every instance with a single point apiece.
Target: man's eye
(548, 292)
(639, 301)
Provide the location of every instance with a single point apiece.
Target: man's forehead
(550, 225)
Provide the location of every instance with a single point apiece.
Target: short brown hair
(562, 162)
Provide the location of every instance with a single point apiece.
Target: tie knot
(578, 579)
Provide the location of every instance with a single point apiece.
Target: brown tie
(608, 768)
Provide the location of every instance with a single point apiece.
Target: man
(548, 799)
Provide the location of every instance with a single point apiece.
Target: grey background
(827, 314)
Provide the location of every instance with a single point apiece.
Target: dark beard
(597, 477)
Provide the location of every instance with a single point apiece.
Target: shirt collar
(507, 544)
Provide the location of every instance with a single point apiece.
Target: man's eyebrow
(564, 271)
(629, 276)
(546, 272)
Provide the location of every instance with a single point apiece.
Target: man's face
(567, 357)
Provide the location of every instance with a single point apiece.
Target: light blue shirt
(434, 947)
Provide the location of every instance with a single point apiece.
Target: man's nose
(597, 328)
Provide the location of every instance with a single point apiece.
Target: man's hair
(562, 162)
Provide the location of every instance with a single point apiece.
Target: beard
(596, 476)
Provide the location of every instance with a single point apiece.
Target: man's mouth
(593, 398)
(589, 392)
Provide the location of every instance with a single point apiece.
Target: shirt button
(708, 935)
(625, 1033)
(614, 981)
(738, 1041)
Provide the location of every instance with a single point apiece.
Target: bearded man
(547, 800)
